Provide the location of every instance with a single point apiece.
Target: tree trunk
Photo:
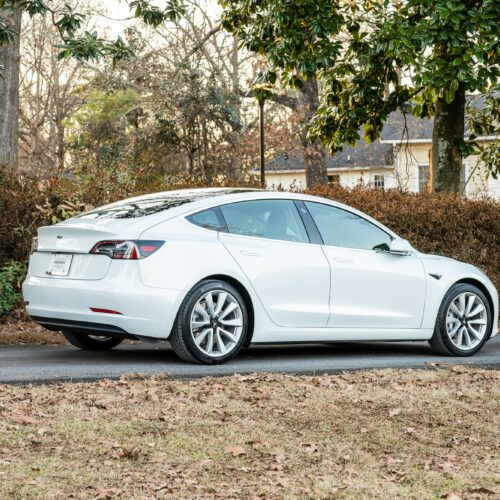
(9, 93)
(314, 153)
(448, 133)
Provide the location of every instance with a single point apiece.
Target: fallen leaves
(365, 434)
(310, 448)
(236, 451)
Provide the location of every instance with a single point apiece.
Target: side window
(341, 228)
(209, 219)
(274, 219)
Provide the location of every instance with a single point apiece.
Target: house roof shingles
(377, 154)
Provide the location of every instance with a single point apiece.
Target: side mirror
(400, 247)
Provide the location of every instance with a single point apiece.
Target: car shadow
(162, 353)
(156, 354)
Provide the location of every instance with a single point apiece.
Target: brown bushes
(461, 228)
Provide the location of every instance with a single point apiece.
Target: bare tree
(47, 96)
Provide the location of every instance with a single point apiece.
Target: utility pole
(262, 143)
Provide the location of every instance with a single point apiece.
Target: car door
(370, 287)
(290, 275)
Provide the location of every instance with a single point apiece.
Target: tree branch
(283, 99)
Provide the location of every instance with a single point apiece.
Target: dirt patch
(379, 434)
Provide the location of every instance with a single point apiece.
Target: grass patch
(377, 434)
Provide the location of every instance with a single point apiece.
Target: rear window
(209, 219)
(153, 204)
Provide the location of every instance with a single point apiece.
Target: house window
(379, 181)
(333, 179)
(423, 178)
(424, 174)
(463, 178)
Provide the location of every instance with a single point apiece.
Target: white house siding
(405, 174)
(348, 178)
(407, 160)
(409, 157)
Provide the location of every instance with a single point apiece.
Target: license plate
(59, 264)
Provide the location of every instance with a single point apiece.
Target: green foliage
(485, 121)
(12, 275)
(7, 33)
(88, 45)
(361, 50)
(102, 108)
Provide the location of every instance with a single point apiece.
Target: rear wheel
(463, 323)
(92, 342)
(211, 325)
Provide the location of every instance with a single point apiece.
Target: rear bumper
(60, 304)
(57, 325)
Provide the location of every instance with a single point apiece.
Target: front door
(370, 287)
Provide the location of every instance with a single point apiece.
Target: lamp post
(262, 143)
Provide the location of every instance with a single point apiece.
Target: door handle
(249, 254)
(343, 261)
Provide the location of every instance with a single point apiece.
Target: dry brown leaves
(383, 434)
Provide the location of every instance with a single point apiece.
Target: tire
(202, 323)
(462, 342)
(92, 343)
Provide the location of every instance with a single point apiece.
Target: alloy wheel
(466, 321)
(216, 323)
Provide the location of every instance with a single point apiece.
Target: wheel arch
(246, 297)
(484, 289)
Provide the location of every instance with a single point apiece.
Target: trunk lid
(76, 238)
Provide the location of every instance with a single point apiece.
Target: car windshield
(153, 204)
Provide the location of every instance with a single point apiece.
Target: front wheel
(463, 322)
(92, 342)
(211, 324)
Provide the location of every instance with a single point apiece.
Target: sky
(115, 20)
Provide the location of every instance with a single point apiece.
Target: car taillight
(127, 249)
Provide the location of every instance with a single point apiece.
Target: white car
(212, 270)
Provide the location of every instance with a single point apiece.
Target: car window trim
(353, 213)
(265, 237)
(311, 229)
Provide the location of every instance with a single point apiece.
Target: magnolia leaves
(88, 45)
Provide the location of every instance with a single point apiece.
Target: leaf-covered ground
(378, 434)
(24, 332)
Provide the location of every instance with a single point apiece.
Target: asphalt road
(21, 364)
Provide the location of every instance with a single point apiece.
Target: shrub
(443, 224)
(11, 278)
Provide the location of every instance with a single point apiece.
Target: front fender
(442, 273)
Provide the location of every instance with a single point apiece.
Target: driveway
(19, 364)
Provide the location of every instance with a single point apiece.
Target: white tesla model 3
(212, 270)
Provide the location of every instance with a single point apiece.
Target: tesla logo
(59, 237)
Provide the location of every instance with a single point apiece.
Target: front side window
(274, 219)
(342, 228)
(209, 219)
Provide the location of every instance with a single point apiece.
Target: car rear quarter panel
(189, 255)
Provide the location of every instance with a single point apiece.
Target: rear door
(370, 287)
(291, 276)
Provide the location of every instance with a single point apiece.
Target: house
(400, 159)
